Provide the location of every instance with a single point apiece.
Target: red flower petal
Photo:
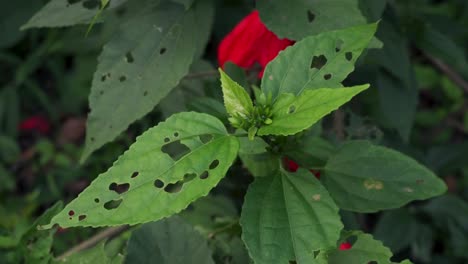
(345, 246)
(250, 42)
(290, 165)
(37, 123)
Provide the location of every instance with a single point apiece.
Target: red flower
(345, 246)
(250, 42)
(35, 123)
(292, 166)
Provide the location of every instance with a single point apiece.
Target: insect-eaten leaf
(168, 167)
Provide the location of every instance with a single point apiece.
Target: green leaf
(400, 219)
(315, 62)
(12, 15)
(96, 254)
(145, 59)
(362, 177)
(395, 81)
(62, 13)
(186, 3)
(296, 19)
(287, 217)
(168, 167)
(168, 241)
(236, 100)
(366, 249)
(259, 165)
(291, 114)
(311, 152)
(36, 244)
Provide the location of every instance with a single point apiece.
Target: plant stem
(449, 72)
(92, 241)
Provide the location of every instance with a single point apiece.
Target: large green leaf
(61, 13)
(145, 59)
(167, 168)
(363, 177)
(168, 241)
(315, 62)
(236, 100)
(287, 217)
(292, 114)
(296, 19)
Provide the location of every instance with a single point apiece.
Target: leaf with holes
(168, 241)
(362, 177)
(236, 100)
(145, 59)
(296, 19)
(167, 168)
(62, 13)
(292, 114)
(364, 249)
(315, 62)
(287, 217)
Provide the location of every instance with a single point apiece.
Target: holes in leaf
(327, 76)
(167, 140)
(205, 138)
(122, 78)
(318, 62)
(174, 187)
(91, 4)
(373, 262)
(71, 2)
(214, 164)
(310, 16)
(349, 56)
(96, 200)
(175, 150)
(339, 45)
(119, 188)
(158, 184)
(134, 174)
(129, 57)
(145, 93)
(71, 213)
(112, 204)
(92, 139)
(103, 78)
(176, 134)
(81, 217)
(162, 51)
(292, 109)
(204, 175)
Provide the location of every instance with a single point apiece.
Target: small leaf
(167, 168)
(146, 58)
(364, 250)
(168, 241)
(287, 217)
(362, 177)
(296, 19)
(315, 62)
(97, 254)
(236, 100)
(291, 114)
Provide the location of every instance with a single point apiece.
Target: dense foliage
(202, 131)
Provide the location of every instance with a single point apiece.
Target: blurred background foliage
(418, 106)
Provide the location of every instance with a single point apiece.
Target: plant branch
(449, 72)
(92, 241)
(338, 124)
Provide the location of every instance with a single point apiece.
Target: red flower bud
(35, 123)
(345, 246)
(250, 42)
